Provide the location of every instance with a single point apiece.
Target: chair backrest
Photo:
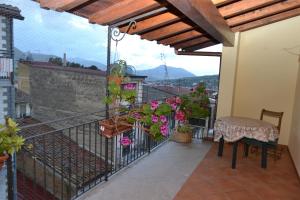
(269, 113)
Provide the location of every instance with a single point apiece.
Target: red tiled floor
(214, 179)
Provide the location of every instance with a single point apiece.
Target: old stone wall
(61, 93)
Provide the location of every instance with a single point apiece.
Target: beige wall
(259, 73)
(265, 74)
(294, 143)
(227, 79)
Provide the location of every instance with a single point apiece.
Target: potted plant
(10, 141)
(196, 105)
(183, 131)
(121, 97)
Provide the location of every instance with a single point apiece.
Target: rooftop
(10, 11)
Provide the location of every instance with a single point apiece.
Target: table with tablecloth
(235, 129)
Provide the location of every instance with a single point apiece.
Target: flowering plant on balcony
(154, 118)
(122, 95)
(196, 104)
(183, 130)
(10, 141)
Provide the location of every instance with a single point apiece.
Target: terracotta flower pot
(182, 137)
(118, 80)
(109, 128)
(3, 158)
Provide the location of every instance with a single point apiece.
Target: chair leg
(246, 149)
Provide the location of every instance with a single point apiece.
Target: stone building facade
(58, 92)
(7, 91)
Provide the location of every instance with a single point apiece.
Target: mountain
(88, 63)
(158, 73)
(19, 55)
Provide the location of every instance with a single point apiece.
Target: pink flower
(174, 106)
(137, 115)
(154, 104)
(164, 130)
(178, 100)
(180, 116)
(125, 141)
(163, 119)
(154, 119)
(129, 86)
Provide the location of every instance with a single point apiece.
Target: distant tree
(56, 61)
(93, 67)
(75, 65)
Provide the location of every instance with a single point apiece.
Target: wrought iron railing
(63, 159)
(65, 163)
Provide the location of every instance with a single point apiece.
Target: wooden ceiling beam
(168, 31)
(180, 38)
(152, 23)
(244, 6)
(123, 10)
(198, 53)
(264, 12)
(200, 46)
(205, 15)
(192, 42)
(267, 20)
(63, 5)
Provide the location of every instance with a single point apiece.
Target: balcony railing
(6, 68)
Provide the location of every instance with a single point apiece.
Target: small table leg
(264, 153)
(246, 149)
(221, 146)
(234, 154)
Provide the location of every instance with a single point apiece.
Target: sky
(56, 33)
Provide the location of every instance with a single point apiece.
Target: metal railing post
(148, 143)
(106, 159)
(10, 179)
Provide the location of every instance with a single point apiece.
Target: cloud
(79, 23)
(55, 33)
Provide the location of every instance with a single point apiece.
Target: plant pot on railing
(110, 128)
(3, 158)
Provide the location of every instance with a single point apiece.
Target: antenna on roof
(163, 59)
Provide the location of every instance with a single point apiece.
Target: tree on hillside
(93, 67)
(75, 65)
(56, 61)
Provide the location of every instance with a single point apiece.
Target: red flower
(180, 116)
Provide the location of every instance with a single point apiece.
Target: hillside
(211, 82)
(158, 73)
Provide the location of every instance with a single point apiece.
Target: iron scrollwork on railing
(117, 35)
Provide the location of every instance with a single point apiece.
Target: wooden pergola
(186, 25)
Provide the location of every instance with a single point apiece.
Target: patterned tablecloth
(235, 128)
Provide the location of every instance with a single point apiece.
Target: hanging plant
(121, 92)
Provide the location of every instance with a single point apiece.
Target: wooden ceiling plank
(62, 5)
(244, 6)
(264, 12)
(123, 10)
(222, 2)
(192, 42)
(167, 31)
(200, 46)
(267, 20)
(180, 38)
(205, 14)
(152, 23)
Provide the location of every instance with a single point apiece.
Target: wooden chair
(274, 150)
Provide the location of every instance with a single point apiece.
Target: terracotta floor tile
(214, 179)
